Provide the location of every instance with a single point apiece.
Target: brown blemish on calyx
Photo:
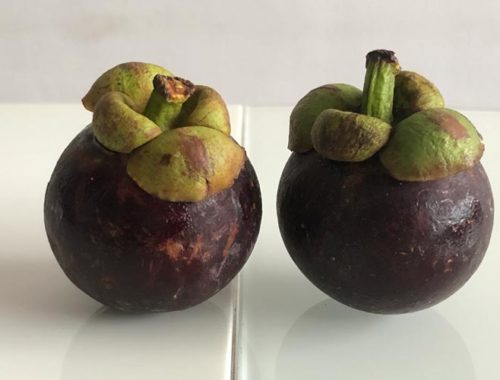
(165, 159)
(450, 125)
(195, 153)
(204, 161)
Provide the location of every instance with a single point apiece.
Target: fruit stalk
(382, 67)
(167, 97)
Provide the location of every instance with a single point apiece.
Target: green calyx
(187, 164)
(328, 119)
(338, 96)
(432, 144)
(134, 79)
(425, 141)
(205, 108)
(118, 125)
(167, 97)
(414, 93)
(348, 136)
(177, 136)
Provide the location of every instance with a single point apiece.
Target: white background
(254, 52)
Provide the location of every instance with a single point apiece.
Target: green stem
(378, 91)
(165, 102)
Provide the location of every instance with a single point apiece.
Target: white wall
(254, 52)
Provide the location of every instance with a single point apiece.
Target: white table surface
(271, 323)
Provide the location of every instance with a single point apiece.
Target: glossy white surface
(286, 328)
(290, 330)
(51, 330)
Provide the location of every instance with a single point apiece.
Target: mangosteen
(153, 206)
(384, 204)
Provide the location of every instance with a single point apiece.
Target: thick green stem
(378, 91)
(165, 102)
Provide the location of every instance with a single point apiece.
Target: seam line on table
(236, 291)
(233, 375)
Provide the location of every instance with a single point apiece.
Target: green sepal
(339, 96)
(186, 164)
(348, 136)
(432, 144)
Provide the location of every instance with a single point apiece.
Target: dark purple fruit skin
(134, 252)
(377, 244)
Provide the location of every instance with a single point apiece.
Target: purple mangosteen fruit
(153, 206)
(383, 204)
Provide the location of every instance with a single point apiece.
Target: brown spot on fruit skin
(138, 259)
(125, 192)
(343, 223)
(196, 248)
(108, 282)
(450, 125)
(233, 231)
(171, 248)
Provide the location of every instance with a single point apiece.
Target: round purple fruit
(152, 207)
(384, 217)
